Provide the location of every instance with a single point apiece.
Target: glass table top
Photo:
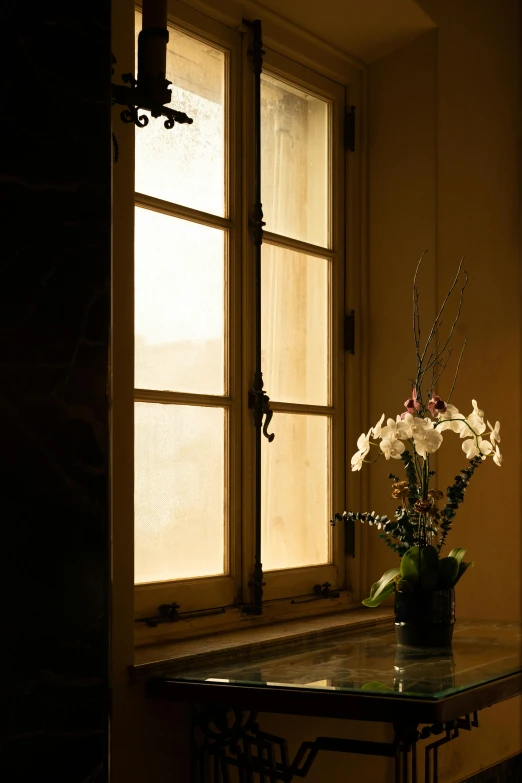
(371, 661)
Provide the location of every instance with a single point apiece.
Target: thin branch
(433, 371)
(457, 370)
(434, 383)
(416, 319)
(450, 335)
(443, 305)
(437, 344)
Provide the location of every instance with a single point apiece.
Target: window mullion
(181, 398)
(306, 248)
(258, 399)
(178, 210)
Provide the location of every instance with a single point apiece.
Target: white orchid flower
(477, 424)
(476, 420)
(495, 433)
(357, 460)
(476, 409)
(485, 446)
(396, 430)
(363, 443)
(416, 426)
(451, 412)
(427, 442)
(470, 448)
(392, 447)
(376, 431)
(474, 447)
(497, 456)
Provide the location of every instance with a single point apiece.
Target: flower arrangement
(420, 526)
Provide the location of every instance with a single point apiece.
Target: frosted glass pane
(295, 316)
(179, 491)
(179, 305)
(186, 165)
(295, 492)
(295, 133)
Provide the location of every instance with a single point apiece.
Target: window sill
(280, 610)
(238, 645)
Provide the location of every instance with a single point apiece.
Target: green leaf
(462, 568)
(419, 566)
(380, 596)
(404, 586)
(448, 570)
(429, 558)
(410, 564)
(382, 589)
(458, 554)
(375, 685)
(387, 577)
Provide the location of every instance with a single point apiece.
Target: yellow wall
(444, 152)
(444, 176)
(444, 169)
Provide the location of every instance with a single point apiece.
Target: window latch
(320, 591)
(259, 402)
(168, 613)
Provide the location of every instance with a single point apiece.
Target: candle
(154, 14)
(152, 49)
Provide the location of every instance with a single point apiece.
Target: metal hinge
(349, 332)
(349, 129)
(349, 533)
(349, 538)
(168, 613)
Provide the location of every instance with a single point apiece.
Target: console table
(429, 696)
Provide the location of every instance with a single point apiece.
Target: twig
(433, 369)
(434, 383)
(416, 320)
(457, 370)
(450, 335)
(443, 305)
(434, 351)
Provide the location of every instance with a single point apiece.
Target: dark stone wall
(55, 260)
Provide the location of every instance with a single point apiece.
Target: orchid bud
(436, 406)
(410, 405)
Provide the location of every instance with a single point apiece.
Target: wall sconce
(150, 90)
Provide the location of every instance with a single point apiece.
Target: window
(195, 330)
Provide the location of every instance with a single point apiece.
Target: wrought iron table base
(231, 739)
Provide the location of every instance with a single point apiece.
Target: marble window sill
(237, 645)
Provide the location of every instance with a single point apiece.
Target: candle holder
(138, 97)
(150, 91)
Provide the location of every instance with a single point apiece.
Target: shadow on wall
(509, 771)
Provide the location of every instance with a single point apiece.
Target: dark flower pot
(425, 618)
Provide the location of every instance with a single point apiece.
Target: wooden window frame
(231, 588)
(210, 592)
(288, 583)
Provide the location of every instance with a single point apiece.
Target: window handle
(259, 402)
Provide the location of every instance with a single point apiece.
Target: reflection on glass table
(372, 662)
